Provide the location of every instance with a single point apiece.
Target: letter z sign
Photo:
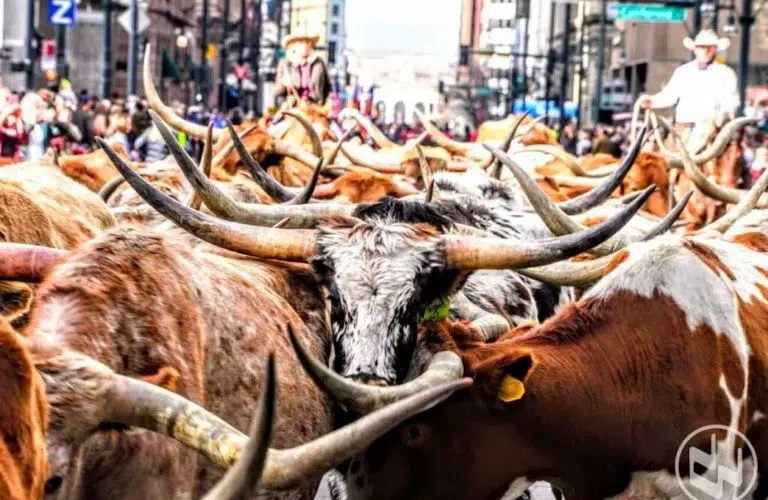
(61, 12)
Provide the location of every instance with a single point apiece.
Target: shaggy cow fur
(143, 304)
(23, 421)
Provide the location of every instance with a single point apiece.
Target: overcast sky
(424, 27)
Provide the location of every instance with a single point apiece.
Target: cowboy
(703, 89)
(302, 73)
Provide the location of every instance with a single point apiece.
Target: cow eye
(414, 435)
(53, 484)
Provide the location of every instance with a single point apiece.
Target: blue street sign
(62, 12)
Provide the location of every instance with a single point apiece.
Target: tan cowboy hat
(311, 39)
(706, 38)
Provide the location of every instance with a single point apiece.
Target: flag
(168, 67)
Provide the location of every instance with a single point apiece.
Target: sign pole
(564, 60)
(133, 47)
(600, 64)
(106, 54)
(30, 77)
(202, 84)
(223, 55)
(746, 21)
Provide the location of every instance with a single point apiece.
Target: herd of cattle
(449, 321)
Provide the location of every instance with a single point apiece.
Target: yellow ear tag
(511, 389)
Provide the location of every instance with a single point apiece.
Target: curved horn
(468, 149)
(224, 206)
(426, 172)
(713, 150)
(363, 399)
(669, 220)
(267, 243)
(108, 189)
(746, 204)
(601, 193)
(496, 170)
(306, 194)
(274, 189)
(195, 201)
(155, 103)
(317, 145)
(241, 480)
(379, 137)
(491, 325)
(709, 188)
(222, 155)
(136, 403)
(27, 263)
(294, 152)
(385, 169)
(554, 218)
(567, 273)
(337, 147)
(472, 253)
(568, 159)
(430, 192)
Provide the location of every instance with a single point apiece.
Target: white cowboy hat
(292, 38)
(706, 38)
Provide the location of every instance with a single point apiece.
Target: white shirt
(701, 94)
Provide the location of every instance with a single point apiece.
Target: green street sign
(640, 12)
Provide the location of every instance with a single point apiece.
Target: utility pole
(564, 60)
(600, 63)
(746, 20)
(106, 54)
(715, 15)
(223, 59)
(202, 77)
(550, 60)
(525, 52)
(30, 79)
(256, 51)
(61, 51)
(133, 47)
(580, 90)
(241, 60)
(696, 16)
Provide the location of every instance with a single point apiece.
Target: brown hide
(23, 421)
(497, 130)
(612, 385)
(364, 187)
(92, 170)
(41, 206)
(143, 303)
(649, 168)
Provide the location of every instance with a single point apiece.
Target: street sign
(62, 12)
(142, 23)
(649, 13)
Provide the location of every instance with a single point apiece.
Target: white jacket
(701, 94)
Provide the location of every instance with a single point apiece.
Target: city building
(325, 19)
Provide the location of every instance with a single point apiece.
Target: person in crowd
(140, 120)
(703, 90)
(302, 74)
(150, 146)
(83, 120)
(12, 134)
(118, 128)
(568, 137)
(584, 142)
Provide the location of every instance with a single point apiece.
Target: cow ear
(513, 376)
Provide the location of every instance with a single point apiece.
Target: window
(331, 52)
(335, 10)
(334, 28)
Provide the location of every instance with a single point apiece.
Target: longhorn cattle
(374, 311)
(598, 399)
